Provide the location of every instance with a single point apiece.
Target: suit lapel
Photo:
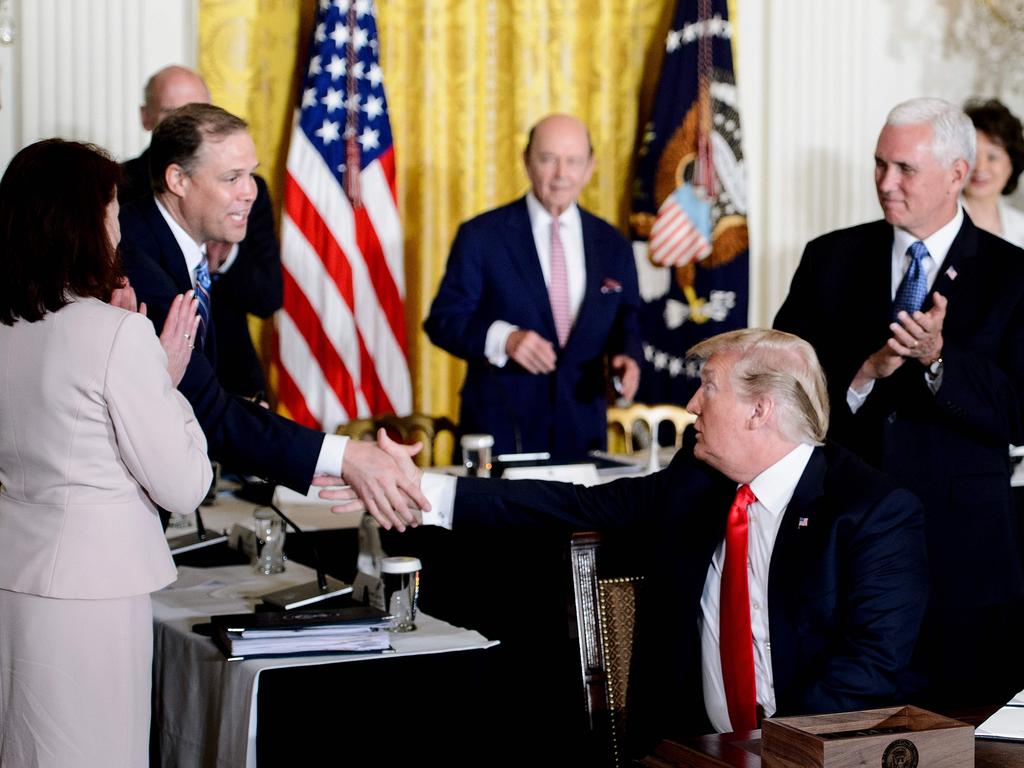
(593, 258)
(877, 288)
(797, 543)
(527, 262)
(171, 257)
(963, 248)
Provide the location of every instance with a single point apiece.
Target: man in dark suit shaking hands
(202, 162)
(246, 276)
(540, 298)
(784, 576)
(919, 324)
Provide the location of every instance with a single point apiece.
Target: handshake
(380, 479)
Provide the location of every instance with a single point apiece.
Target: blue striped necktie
(203, 294)
(911, 292)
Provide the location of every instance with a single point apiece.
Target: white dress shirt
(570, 230)
(938, 245)
(332, 450)
(773, 488)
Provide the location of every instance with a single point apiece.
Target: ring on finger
(188, 335)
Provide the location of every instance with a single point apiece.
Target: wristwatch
(933, 371)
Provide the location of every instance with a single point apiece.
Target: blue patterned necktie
(910, 295)
(203, 294)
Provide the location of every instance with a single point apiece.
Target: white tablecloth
(205, 706)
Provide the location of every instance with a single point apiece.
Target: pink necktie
(735, 638)
(558, 290)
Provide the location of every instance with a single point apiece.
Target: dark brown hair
(992, 118)
(179, 137)
(53, 236)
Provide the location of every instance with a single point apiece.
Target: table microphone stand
(312, 592)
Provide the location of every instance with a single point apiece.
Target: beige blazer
(92, 437)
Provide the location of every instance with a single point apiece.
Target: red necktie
(736, 643)
(558, 290)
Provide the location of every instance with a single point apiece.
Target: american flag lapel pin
(610, 285)
(951, 273)
(802, 522)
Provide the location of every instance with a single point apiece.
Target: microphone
(189, 541)
(305, 594)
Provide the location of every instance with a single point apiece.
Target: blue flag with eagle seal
(690, 203)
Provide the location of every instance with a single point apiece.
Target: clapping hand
(178, 336)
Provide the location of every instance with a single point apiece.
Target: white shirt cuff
(331, 460)
(497, 338)
(856, 399)
(439, 489)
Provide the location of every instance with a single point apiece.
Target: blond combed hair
(781, 366)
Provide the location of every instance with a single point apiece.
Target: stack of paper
(1006, 723)
(352, 629)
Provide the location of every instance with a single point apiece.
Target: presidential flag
(690, 203)
(341, 333)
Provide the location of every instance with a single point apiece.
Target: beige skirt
(75, 681)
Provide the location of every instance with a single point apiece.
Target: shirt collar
(193, 252)
(938, 243)
(774, 487)
(540, 217)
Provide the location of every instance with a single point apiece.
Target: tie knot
(917, 250)
(744, 497)
(203, 274)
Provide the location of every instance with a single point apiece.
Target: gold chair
(605, 619)
(358, 429)
(437, 433)
(625, 430)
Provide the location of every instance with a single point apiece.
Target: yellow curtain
(465, 80)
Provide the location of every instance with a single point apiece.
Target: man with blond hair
(786, 577)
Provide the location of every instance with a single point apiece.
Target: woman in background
(1000, 160)
(93, 435)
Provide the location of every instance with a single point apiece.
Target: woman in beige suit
(93, 435)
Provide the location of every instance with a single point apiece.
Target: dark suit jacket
(493, 274)
(253, 284)
(846, 590)
(949, 448)
(247, 437)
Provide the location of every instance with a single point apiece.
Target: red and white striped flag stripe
(342, 349)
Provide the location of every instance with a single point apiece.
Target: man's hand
(532, 351)
(216, 254)
(920, 335)
(626, 368)
(178, 336)
(880, 365)
(387, 491)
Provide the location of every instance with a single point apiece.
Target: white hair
(953, 134)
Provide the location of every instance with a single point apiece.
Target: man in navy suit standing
(919, 324)
(246, 277)
(202, 165)
(540, 298)
(783, 576)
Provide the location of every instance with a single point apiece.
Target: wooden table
(743, 749)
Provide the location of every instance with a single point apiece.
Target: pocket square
(608, 285)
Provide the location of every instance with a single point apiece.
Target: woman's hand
(124, 297)
(179, 334)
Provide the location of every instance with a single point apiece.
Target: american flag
(341, 334)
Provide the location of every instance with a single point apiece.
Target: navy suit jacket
(241, 434)
(253, 285)
(949, 448)
(494, 273)
(846, 591)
